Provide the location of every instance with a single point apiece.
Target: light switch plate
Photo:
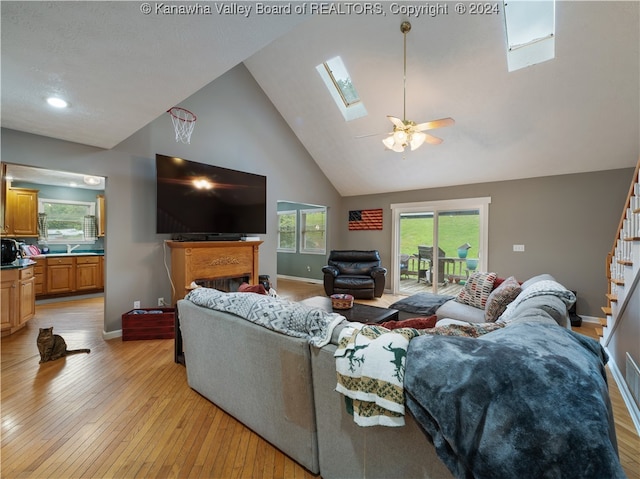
(518, 247)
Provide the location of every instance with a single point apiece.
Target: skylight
(341, 87)
(530, 29)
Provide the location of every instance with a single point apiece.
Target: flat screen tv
(206, 200)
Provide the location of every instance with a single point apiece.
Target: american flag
(365, 219)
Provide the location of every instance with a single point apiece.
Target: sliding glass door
(437, 245)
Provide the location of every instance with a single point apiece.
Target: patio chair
(404, 265)
(425, 253)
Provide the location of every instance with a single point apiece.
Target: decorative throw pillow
(415, 323)
(477, 289)
(500, 298)
(251, 288)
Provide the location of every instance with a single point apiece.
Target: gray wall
(237, 127)
(567, 223)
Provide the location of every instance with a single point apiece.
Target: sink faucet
(71, 248)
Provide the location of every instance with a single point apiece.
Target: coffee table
(362, 313)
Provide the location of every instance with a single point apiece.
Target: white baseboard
(297, 278)
(632, 407)
(590, 319)
(111, 334)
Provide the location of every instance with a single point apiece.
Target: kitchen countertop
(24, 262)
(19, 264)
(79, 253)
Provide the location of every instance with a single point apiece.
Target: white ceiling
(578, 112)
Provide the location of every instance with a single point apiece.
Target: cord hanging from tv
(205, 202)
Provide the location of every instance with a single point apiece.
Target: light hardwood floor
(125, 410)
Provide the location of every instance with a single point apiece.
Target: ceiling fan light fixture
(417, 139)
(399, 136)
(407, 132)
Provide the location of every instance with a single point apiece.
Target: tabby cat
(52, 346)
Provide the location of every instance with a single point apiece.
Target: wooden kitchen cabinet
(8, 299)
(26, 296)
(17, 298)
(87, 273)
(21, 214)
(102, 271)
(61, 277)
(40, 274)
(68, 275)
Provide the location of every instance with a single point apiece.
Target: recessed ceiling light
(57, 102)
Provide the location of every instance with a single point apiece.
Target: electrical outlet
(136, 305)
(160, 301)
(518, 247)
(308, 268)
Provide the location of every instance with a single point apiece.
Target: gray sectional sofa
(284, 389)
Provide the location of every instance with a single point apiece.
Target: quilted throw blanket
(529, 401)
(370, 366)
(278, 314)
(371, 363)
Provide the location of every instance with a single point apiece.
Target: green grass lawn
(454, 230)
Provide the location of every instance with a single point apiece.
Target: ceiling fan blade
(432, 140)
(396, 121)
(367, 136)
(430, 125)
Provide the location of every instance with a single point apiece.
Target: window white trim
(303, 226)
(481, 204)
(294, 213)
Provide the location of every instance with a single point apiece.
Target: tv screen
(197, 198)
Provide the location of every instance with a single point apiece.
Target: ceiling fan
(407, 132)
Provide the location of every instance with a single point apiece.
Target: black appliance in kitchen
(9, 250)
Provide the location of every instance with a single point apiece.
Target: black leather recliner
(357, 273)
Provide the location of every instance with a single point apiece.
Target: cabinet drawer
(87, 259)
(26, 273)
(51, 261)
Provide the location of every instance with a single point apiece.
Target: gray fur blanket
(527, 401)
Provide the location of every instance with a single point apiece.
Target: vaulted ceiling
(121, 69)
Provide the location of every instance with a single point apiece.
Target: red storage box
(153, 323)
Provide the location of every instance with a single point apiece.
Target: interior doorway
(70, 193)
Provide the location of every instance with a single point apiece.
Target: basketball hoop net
(183, 123)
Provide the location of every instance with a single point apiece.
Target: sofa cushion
(500, 298)
(353, 282)
(477, 289)
(462, 312)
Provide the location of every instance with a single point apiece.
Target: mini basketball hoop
(183, 123)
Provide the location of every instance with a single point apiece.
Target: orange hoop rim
(171, 112)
